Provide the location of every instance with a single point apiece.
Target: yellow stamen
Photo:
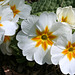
(1, 24)
(0, 18)
(15, 11)
(64, 19)
(44, 45)
(73, 44)
(38, 43)
(46, 30)
(65, 51)
(69, 45)
(38, 32)
(36, 39)
(50, 42)
(51, 37)
(73, 53)
(69, 56)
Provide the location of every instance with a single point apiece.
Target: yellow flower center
(7, 38)
(69, 51)
(15, 11)
(44, 38)
(65, 19)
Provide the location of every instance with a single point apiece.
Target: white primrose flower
(1, 35)
(20, 9)
(64, 54)
(5, 46)
(66, 15)
(6, 23)
(38, 35)
(3, 2)
(7, 39)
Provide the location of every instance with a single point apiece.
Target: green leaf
(73, 30)
(21, 60)
(19, 22)
(49, 5)
(31, 64)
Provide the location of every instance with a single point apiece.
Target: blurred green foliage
(50, 5)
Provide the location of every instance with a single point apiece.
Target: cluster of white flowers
(10, 12)
(46, 38)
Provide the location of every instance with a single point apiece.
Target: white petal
(25, 11)
(39, 55)
(55, 50)
(29, 26)
(58, 12)
(73, 37)
(15, 19)
(64, 65)
(56, 58)
(9, 27)
(72, 67)
(5, 2)
(71, 16)
(27, 45)
(47, 58)
(28, 49)
(21, 36)
(46, 19)
(60, 29)
(24, 41)
(29, 52)
(62, 42)
(17, 3)
(67, 66)
(56, 54)
(7, 13)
